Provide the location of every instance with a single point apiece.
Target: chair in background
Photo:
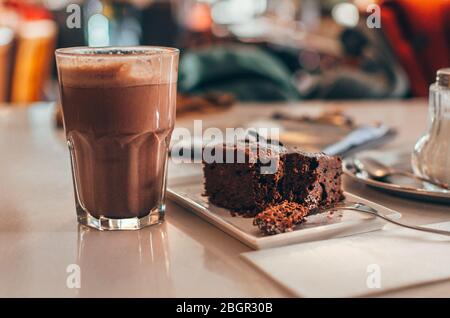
(419, 33)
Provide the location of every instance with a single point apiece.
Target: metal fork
(361, 207)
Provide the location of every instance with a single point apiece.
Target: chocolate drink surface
(118, 126)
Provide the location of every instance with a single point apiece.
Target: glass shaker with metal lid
(431, 155)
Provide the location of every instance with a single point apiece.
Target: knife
(361, 138)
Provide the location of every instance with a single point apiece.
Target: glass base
(156, 216)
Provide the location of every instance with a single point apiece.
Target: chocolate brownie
(280, 218)
(247, 185)
(313, 179)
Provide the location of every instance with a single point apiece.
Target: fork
(363, 208)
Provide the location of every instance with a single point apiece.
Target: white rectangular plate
(187, 191)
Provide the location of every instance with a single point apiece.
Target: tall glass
(119, 108)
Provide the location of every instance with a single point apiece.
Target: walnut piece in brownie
(280, 218)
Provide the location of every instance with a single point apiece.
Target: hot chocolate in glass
(119, 112)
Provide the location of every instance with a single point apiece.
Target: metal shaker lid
(443, 77)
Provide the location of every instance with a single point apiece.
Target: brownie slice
(280, 218)
(312, 179)
(243, 186)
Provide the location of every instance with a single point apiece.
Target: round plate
(398, 185)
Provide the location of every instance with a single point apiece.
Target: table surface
(41, 242)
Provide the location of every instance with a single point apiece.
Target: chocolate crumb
(280, 218)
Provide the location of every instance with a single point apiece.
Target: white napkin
(361, 265)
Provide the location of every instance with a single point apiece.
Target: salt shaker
(431, 155)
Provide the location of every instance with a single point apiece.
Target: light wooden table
(185, 256)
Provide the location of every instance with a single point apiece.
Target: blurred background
(244, 50)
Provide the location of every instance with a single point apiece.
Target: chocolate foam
(134, 72)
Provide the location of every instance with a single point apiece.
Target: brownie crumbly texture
(312, 180)
(280, 218)
(240, 186)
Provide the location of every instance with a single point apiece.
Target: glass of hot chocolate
(119, 108)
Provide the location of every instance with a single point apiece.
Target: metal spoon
(377, 170)
(360, 207)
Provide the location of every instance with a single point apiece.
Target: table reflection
(124, 263)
